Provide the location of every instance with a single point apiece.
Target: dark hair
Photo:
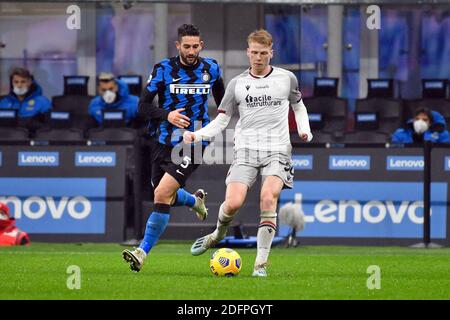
(21, 72)
(188, 30)
(424, 111)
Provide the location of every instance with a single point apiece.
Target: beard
(189, 60)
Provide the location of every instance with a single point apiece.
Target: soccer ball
(225, 262)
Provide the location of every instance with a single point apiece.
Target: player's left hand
(304, 137)
(188, 137)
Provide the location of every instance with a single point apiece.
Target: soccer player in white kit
(261, 95)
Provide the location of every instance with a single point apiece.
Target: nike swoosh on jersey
(178, 171)
(176, 80)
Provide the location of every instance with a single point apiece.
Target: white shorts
(247, 163)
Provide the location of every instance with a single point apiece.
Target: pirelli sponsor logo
(190, 88)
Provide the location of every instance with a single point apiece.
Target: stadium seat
(333, 111)
(8, 118)
(59, 135)
(113, 118)
(60, 119)
(434, 88)
(380, 88)
(34, 123)
(76, 85)
(325, 87)
(123, 135)
(77, 106)
(365, 137)
(134, 83)
(389, 112)
(13, 135)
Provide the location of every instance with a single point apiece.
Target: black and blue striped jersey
(180, 86)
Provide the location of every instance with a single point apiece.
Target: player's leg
(195, 201)
(181, 173)
(166, 192)
(240, 178)
(235, 197)
(168, 177)
(277, 173)
(156, 223)
(159, 218)
(270, 191)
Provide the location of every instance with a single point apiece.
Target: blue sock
(184, 198)
(156, 224)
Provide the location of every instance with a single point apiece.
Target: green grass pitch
(312, 272)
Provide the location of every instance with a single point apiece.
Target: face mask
(109, 96)
(20, 91)
(420, 126)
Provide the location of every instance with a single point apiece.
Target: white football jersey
(263, 107)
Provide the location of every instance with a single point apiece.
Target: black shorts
(186, 160)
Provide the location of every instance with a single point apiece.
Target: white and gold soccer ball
(225, 262)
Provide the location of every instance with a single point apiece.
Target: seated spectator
(426, 125)
(113, 95)
(26, 97)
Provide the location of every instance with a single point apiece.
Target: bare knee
(268, 201)
(163, 195)
(232, 205)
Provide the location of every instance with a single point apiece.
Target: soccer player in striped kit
(183, 85)
(261, 96)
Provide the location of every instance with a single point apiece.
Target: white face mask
(420, 126)
(109, 96)
(20, 91)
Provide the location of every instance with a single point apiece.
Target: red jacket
(10, 235)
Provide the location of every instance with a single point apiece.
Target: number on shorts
(186, 161)
(289, 168)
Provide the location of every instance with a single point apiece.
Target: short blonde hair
(260, 36)
(106, 76)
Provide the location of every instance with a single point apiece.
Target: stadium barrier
(370, 194)
(68, 193)
(350, 194)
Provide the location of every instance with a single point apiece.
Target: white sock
(266, 232)
(223, 222)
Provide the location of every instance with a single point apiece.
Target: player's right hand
(188, 137)
(178, 120)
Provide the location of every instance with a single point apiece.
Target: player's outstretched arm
(226, 109)
(212, 129)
